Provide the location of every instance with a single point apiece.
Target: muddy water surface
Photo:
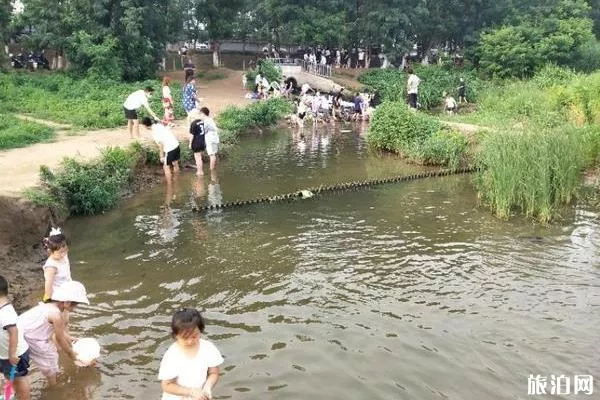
(405, 291)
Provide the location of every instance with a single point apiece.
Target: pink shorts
(45, 355)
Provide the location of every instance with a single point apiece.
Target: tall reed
(535, 172)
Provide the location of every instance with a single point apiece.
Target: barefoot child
(14, 351)
(45, 320)
(211, 136)
(168, 146)
(190, 367)
(197, 140)
(57, 269)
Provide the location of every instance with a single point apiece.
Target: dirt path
(20, 167)
(465, 128)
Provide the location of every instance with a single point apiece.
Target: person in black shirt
(197, 141)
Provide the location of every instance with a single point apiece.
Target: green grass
(435, 80)
(234, 121)
(18, 133)
(83, 103)
(533, 172)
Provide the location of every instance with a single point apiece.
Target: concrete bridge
(317, 76)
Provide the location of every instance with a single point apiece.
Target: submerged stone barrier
(313, 191)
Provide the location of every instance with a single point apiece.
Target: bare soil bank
(22, 227)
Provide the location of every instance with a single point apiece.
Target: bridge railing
(317, 69)
(311, 68)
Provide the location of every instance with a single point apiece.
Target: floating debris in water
(306, 194)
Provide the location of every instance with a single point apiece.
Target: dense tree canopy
(127, 38)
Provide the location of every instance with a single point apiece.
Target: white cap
(71, 291)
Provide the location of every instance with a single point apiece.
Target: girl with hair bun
(57, 269)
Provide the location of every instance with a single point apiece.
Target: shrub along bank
(233, 121)
(84, 103)
(416, 136)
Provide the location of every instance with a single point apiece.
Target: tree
(553, 32)
(220, 21)
(5, 17)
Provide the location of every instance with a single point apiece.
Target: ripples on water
(404, 291)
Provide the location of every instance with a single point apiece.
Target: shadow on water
(401, 291)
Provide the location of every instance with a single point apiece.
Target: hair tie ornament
(55, 231)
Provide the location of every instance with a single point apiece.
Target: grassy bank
(418, 137)
(91, 187)
(545, 133)
(83, 103)
(17, 133)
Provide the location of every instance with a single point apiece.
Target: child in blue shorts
(14, 351)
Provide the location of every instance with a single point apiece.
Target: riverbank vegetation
(418, 137)
(435, 80)
(81, 102)
(233, 121)
(544, 133)
(18, 133)
(91, 187)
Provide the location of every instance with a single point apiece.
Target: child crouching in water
(45, 320)
(190, 367)
(14, 351)
(57, 269)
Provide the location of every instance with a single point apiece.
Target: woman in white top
(167, 101)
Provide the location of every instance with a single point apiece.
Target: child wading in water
(14, 351)
(45, 320)
(205, 136)
(57, 269)
(190, 367)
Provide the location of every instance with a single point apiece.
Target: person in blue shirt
(190, 96)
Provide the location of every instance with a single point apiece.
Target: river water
(406, 291)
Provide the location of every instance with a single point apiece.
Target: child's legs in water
(22, 388)
(199, 167)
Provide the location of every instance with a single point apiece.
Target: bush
(435, 80)
(17, 133)
(234, 120)
(445, 147)
(398, 129)
(88, 188)
(534, 172)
